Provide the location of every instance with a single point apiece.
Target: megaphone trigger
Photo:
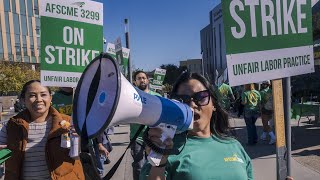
(168, 131)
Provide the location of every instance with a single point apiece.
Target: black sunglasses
(201, 98)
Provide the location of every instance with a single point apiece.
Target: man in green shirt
(226, 96)
(251, 100)
(138, 148)
(267, 111)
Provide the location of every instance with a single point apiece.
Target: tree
(306, 85)
(316, 21)
(173, 72)
(167, 88)
(14, 75)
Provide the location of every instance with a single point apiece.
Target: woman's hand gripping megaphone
(159, 143)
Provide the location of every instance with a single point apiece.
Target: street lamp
(126, 26)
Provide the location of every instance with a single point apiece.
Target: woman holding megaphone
(206, 151)
(38, 139)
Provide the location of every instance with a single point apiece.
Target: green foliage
(316, 25)
(167, 88)
(172, 74)
(14, 75)
(306, 85)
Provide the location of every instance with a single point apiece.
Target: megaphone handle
(168, 131)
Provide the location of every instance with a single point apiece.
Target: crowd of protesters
(35, 134)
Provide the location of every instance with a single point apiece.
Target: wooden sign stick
(278, 107)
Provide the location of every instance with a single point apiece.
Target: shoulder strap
(116, 165)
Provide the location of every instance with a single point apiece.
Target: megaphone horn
(104, 98)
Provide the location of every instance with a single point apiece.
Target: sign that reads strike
(71, 36)
(267, 39)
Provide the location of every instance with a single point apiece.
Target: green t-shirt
(134, 127)
(206, 158)
(266, 98)
(62, 102)
(225, 92)
(252, 100)
(264, 94)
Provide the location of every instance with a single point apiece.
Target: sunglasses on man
(200, 98)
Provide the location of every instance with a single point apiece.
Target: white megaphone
(104, 98)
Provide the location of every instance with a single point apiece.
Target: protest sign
(158, 78)
(267, 39)
(71, 36)
(125, 54)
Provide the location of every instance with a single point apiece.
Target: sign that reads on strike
(71, 36)
(267, 39)
(158, 78)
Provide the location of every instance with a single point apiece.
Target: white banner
(84, 10)
(268, 65)
(64, 79)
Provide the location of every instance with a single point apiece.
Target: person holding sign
(138, 147)
(206, 151)
(251, 99)
(267, 111)
(36, 137)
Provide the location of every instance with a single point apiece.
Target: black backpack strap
(116, 165)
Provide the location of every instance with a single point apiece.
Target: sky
(161, 31)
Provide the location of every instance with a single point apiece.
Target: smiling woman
(34, 137)
(206, 151)
(37, 100)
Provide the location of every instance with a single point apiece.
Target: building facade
(19, 31)
(193, 65)
(213, 46)
(206, 36)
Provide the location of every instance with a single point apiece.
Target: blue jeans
(250, 119)
(100, 160)
(100, 165)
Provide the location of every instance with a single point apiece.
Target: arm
(231, 96)
(103, 150)
(3, 146)
(260, 102)
(249, 171)
(158, 173)
(243, 99)
(3, 136)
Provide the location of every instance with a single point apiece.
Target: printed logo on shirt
(223, 91)
(253, 99)
(233, 158)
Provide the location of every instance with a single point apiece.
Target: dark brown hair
(219, 124)
(138, 72)
(26, 86)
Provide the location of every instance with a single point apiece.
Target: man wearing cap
(267, 111)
